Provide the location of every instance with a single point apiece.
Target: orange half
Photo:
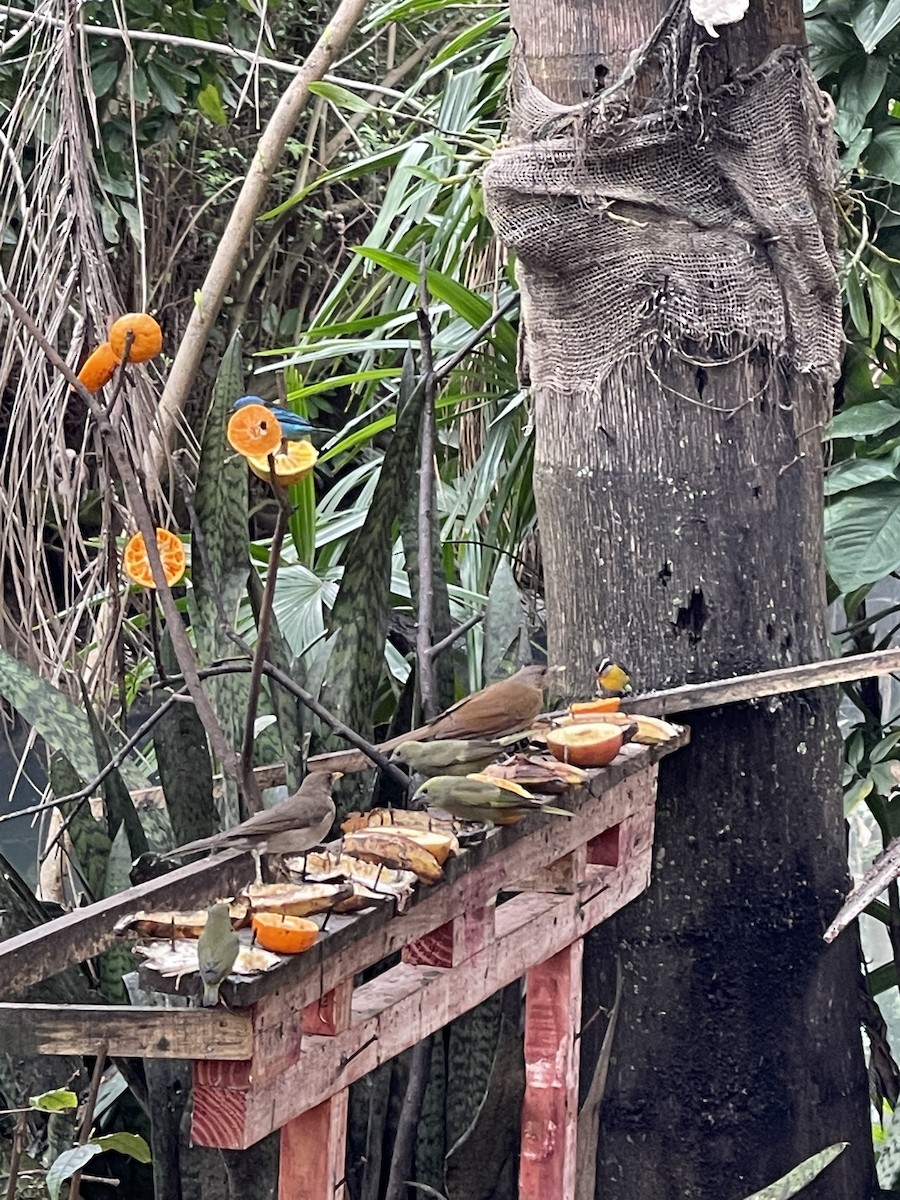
(290, 467)
(136, 564)
(254, 431)
(586, 745)
(283, 934)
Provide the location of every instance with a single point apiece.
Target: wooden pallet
(284, 1051)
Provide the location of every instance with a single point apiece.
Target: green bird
(453, 756)
(216, 951)
(473, 799)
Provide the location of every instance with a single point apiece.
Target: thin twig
(145, 523)
(87, 1117)
(446, 642)
(232, 244)
(264, 622)
(15, 1156)
(233, 667)
(445, 368)
(425, 521)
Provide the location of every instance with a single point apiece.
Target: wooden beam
(407, 1003)
(313, 1151)
(186, 1033)
(354, 943)
(48, 949)
(764, 683)
(550, 1108)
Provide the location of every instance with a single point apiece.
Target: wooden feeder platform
(283, 1052)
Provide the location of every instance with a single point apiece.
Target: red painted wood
(330, 1014)
(603, 850)
(406, 1003)
(313, 1152)
(452, 943)
(550, 1108)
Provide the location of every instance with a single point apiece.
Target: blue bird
(293, 427)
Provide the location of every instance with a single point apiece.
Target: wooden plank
(30, 1029)
(48, 949)
(407, 1003)
(313, 1152)
(479, 874)
(691, 696)
(564, 875)
(454, 942)
(550, 1107)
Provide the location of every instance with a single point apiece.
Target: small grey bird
(291, 827)
(452, 756)
(217, 950)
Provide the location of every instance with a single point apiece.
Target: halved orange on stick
(290, 467)
(254, 432)
(283, 934)
(136, 564)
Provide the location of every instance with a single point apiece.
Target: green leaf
(120, 808)
(55, 717)
(131, 1144)
(221, 507)
(859, 92)
(466, 303)
(857, 472)
(359, 618)
(67, 1164)
(790, 1184)
(55, 1101)
(862, 535)
(863, 419)
(341, 97)
(209, 102)
(287, 708)
(870, 32)
(163, 88)
(883, 156)
(90, 841)
(504, 620)
(103, 77)
(381, 161)
(856, 793)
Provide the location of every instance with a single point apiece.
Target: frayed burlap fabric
(689, 223)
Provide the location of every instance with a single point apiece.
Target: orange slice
(587, 745)
(290, 467)
(607, 705)
(146, 337)
(254, 432)
(283, 934)
(98, 368)
(136, 564)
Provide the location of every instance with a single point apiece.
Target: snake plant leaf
(220, 561)
(359, 618)
(505, 627)
(120, 808)
(287, 708)
(185, 767)
(442, 622)
(91, 843)
(804, 1173)
(61, 724)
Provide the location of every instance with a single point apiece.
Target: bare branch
(424, 658)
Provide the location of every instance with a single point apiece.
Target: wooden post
(550, 1108)
(313, 1151)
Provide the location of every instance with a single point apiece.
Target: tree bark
(680, 511)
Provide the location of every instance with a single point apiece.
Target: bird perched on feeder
(452, 756)
(612, 678)
(293, 427)
(504, 707)
(495, 802)
(217, 950)
(291, 827)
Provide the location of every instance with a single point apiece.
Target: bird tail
(191, 848)
(557, 812)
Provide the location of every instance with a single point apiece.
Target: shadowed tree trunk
(682, 334)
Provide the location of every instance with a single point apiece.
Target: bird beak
(419, 799)
(336, 775)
